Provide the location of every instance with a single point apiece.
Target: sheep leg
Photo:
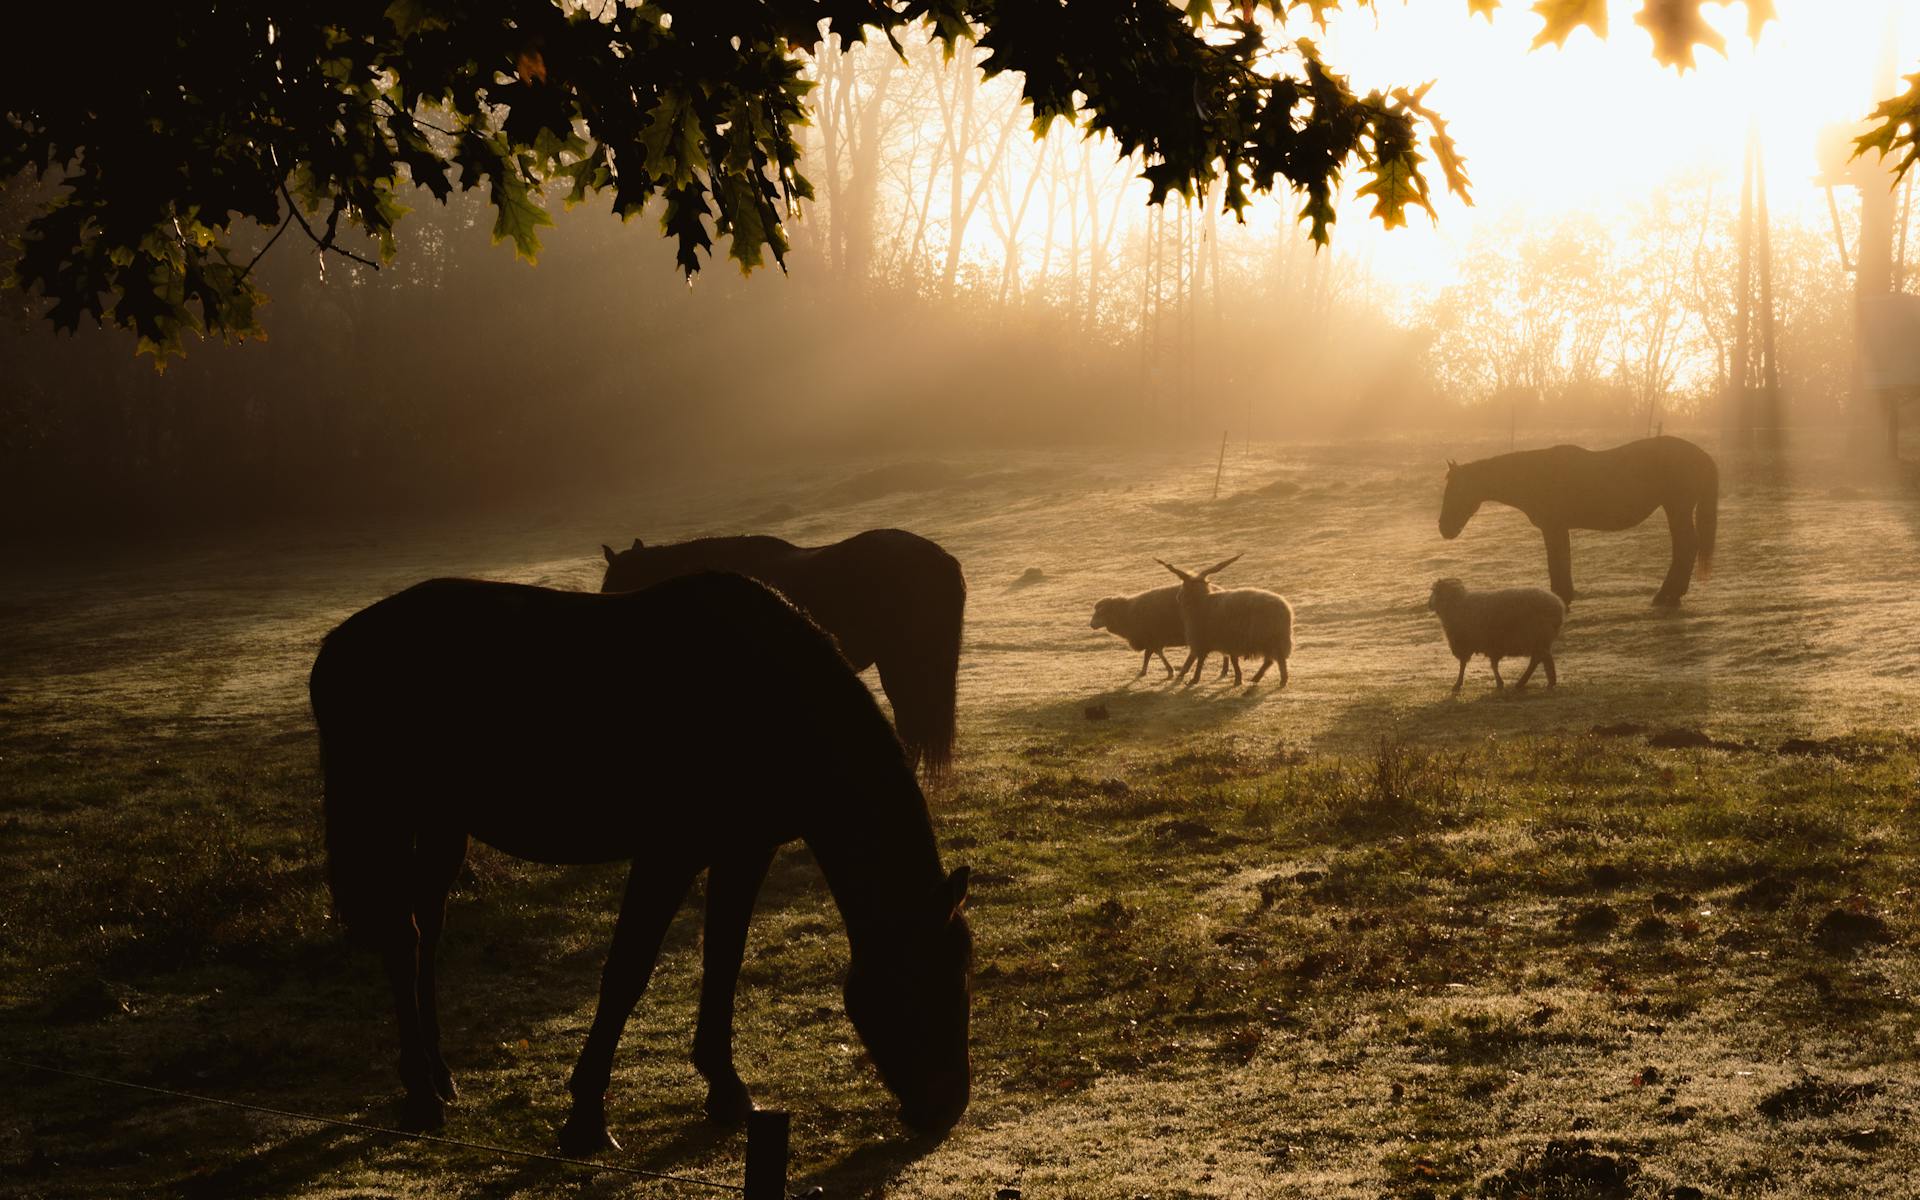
(1685, 548)
(1499, 684)
(1526, 674)
(1199, 660)
(1459, 681)
(1547, 661)
(1560, 563)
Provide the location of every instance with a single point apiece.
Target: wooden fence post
(767, 1154)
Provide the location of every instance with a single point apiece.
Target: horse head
(1459, 503)
(908, 999)
(624, 570)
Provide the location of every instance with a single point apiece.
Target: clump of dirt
(1606, 875)
(1690, 739)
(1811, 1096)
(1652, 929)
(1184, 830)
(1593, 921)
(1768, 892)
(1618, 729)
(1841, 931)
(1566, 1170)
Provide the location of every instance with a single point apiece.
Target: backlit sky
(1596, 125)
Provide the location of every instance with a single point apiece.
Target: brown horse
(1568, 487)
(887, 596)
(566, 727)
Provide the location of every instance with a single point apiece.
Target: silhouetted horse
(889, 597)
(567, 727)
(1567, 487)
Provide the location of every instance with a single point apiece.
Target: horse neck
(875, 845)
(1504, 480)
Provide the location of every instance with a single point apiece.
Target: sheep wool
(1499, 623)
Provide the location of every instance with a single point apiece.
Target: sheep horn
(1223, 565)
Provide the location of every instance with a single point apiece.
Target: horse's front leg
(1686, 547)
(1560, 562)
(653, 894)
(732, 885)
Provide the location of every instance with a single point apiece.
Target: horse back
(578, 727)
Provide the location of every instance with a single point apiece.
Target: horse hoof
(443, 1086)
(583, 1138)
(728, 1107)
(422, 1114)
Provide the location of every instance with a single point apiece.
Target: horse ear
(636, 544)
(608, 551)
(954, 891)
(1221, 566)
(1452, 466)
(1184, 577)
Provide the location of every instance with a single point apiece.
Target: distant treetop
(170, 128)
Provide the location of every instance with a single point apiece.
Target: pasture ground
(1356, 938)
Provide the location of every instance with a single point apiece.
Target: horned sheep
(1234, 621)
(1500, 623)
(1149, 621)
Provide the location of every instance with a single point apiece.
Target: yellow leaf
(1564, 16)
(1677, 27)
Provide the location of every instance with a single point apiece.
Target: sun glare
(1599, 126)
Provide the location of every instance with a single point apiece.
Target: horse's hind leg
(732, 885)
(1547, 662)
(436, 860)
(653, 894)
(1685, 549)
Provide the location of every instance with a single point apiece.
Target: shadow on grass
(867, 1170)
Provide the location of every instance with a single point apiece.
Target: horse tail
(924, 674)
(1706, 519)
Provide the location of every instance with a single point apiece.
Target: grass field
(1355, 938)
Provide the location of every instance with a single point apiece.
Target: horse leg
(1460, 680)
(1499, 684)
(1163, 662)
(1146, 660)
(732, 885)
(1235, 660)
(1548, 663)
(653, 894)
(436, 858)
(1225, 662)
(1560, 563)
(1685, 549)
(1264, 664)
(1283, 673)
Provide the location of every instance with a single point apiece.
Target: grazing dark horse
(567, 727)
(889, 597)
(1567, 488)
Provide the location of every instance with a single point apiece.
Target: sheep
(1503, 623)
(1236, 621)
(1150, 621)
